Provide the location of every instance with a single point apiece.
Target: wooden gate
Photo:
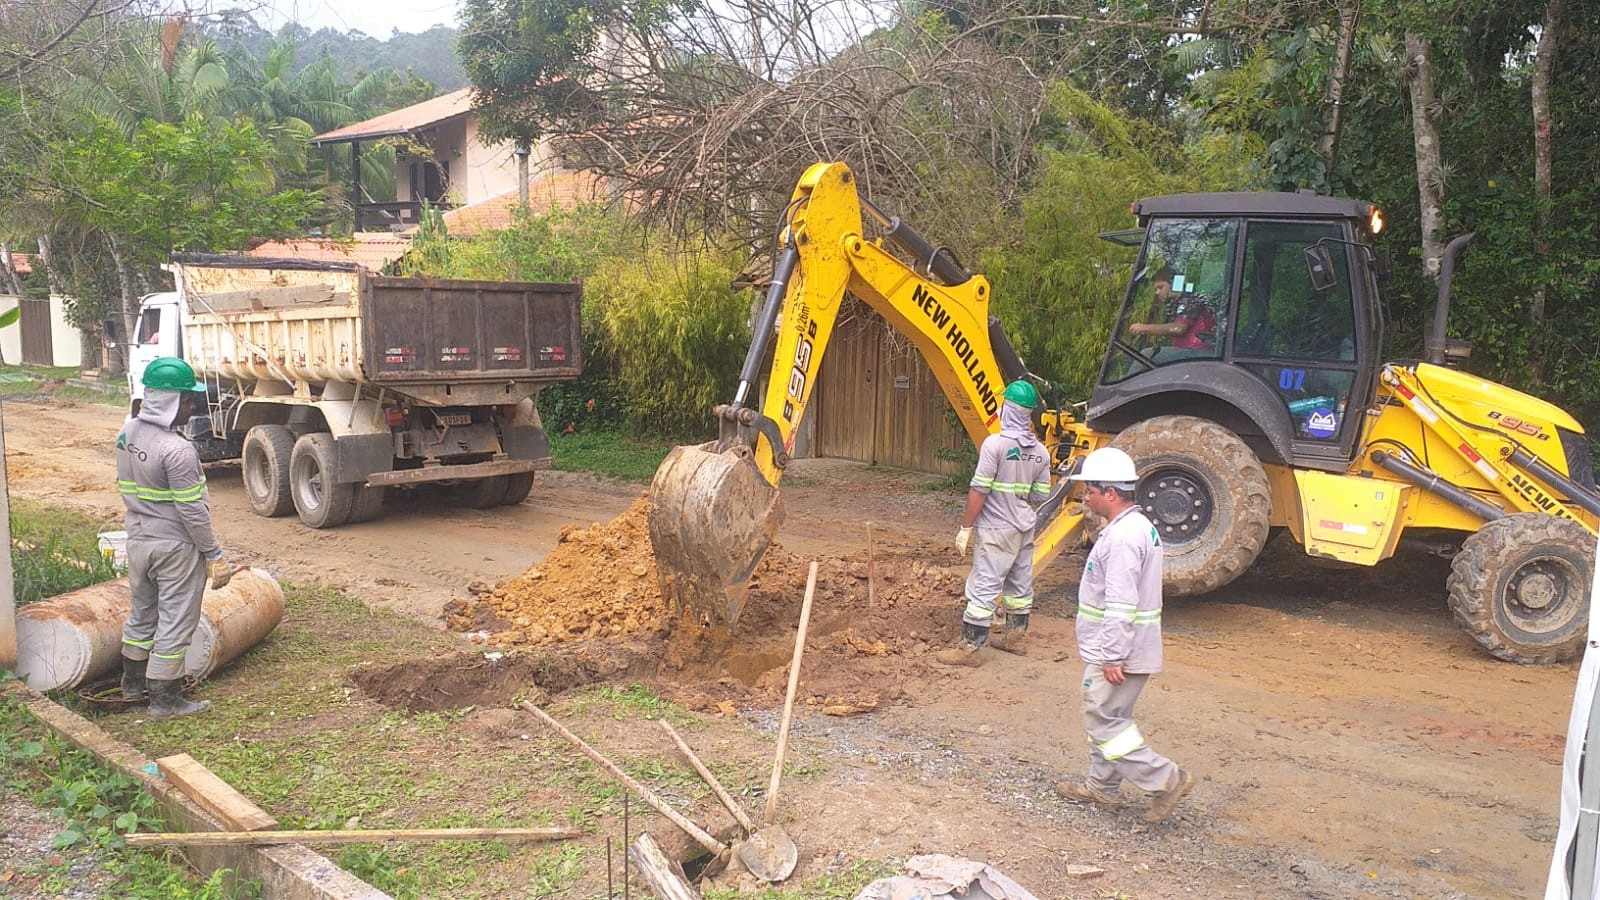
(878, 402)
(35, 324)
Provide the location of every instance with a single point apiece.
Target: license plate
(455, 419)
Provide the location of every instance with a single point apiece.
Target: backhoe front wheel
(1520, 586)
(1206, 494)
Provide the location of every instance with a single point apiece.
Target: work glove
(963, 538)
(218, 570)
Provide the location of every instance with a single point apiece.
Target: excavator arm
(714, 508)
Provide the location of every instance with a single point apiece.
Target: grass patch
(97, 807)
(54, 550)
(608, 453)
(51, 382)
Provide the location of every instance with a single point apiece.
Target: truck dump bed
(439, 341)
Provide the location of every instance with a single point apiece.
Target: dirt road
(1349, 739)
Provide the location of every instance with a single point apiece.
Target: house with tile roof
(443, 159)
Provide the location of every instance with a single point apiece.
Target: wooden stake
(360, 836)
(788, 698)
(872, 571)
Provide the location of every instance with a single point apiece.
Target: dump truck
(1245, 377)
(335, 386)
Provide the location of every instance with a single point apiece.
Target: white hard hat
(1108, 465)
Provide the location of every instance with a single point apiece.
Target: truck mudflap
(470, 471)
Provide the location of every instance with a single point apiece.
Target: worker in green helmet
(1012, 476)
(172, 549)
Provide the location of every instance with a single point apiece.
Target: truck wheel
(267, 449)
(1520, 587)
(485, 492)
(518, 487)
(1207, 495)
(368, 504)
(321, 501)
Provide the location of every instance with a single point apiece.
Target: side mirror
(1319, 265)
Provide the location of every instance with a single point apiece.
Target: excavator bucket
(712, 516)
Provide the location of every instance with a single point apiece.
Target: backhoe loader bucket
(712, 516)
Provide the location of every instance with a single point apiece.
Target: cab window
(1178, 307)
(1281, 315)
(149, 326)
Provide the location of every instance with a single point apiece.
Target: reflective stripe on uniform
(979, 481)
(975, 611)
(1041, 487)
(1125, 612)
(1017, 602)
(157, 495)
(178, 655)
(1128, 741)
(142, 645)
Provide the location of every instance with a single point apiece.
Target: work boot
(1079, 791)
(1167, 801)
(133, 683)
(969, 652)
(167, 702)
(1010, 637)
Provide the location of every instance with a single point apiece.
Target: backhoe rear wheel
(1207, 495)
(1520, 587)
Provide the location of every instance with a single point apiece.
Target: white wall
(65, 344)
(10, 338)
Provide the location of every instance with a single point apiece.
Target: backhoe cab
(1243, 375)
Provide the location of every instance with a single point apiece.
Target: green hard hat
(170, 373)
(1022, 394)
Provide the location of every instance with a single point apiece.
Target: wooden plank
(662, 874)
(216, 796)
(352, 836)
(284, 872)
(256, 299)
(37, 348)
(911, 426)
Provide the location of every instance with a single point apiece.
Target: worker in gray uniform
(172, 550)
(1119, 638)
(1012, 475)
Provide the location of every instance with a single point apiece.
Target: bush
(678, 331)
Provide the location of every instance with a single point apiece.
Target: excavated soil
(597, 595)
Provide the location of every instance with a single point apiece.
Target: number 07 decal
(1291, 379)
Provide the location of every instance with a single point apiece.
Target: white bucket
(114, 547)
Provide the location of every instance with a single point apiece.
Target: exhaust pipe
(1437, 344)
(1431, 482)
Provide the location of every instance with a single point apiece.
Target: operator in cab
(172, 549)
(1012, 477)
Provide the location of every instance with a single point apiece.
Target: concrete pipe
(75, 638)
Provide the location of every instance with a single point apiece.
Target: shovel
(752, 853)
(769, 853)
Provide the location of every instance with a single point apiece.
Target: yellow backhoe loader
(1243, 376)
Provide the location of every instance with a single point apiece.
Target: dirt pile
(599, 586)
(599, 582)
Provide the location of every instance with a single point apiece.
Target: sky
(375, 17)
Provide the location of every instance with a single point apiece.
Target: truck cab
(158, 333)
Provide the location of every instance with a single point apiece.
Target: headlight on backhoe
(1374, 220)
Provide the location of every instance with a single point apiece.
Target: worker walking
(1013, 474)
(1119, 638)
(172, 550)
